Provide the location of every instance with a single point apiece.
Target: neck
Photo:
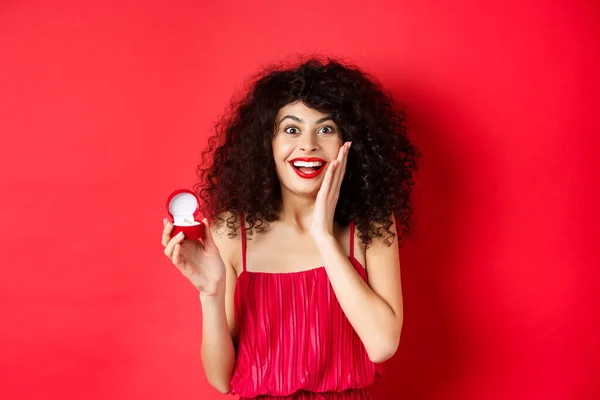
(296, 210)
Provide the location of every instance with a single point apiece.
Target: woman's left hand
(321, 223)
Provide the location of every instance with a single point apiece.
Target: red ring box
(183, 205)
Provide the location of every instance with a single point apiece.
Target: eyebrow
(299, 120)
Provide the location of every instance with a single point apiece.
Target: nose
(309, 143)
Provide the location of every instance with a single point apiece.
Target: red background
(104, 110)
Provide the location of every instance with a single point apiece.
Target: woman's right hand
(200, 262)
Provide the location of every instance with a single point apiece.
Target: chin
(306, 188)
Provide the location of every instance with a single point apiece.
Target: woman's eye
(293, 130)
(328, 129)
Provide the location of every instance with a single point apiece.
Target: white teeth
(308, 164)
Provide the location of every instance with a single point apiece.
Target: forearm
(217, 349)
(372, 318)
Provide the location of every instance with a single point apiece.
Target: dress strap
(243, 233)
(352, 239)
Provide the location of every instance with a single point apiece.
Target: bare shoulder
(382, 254)
(228, 246)
(383, 268)
(229, 249)
(379, 245)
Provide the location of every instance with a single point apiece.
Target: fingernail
(180, 234)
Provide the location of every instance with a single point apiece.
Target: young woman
(307, 187)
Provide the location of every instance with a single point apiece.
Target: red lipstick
(312, 174)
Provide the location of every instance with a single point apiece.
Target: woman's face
(305, 141)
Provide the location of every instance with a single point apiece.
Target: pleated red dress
(295, 341)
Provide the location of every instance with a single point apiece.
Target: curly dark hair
(379, 171)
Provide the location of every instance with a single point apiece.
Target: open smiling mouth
(308, 169)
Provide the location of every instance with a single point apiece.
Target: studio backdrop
(106, 106)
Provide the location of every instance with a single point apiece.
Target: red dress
(294, 339)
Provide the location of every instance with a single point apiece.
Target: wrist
(324, 239)
(212, 299)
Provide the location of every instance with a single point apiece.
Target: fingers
(184, 268)
(176, 254)
(166, 234)
(324, 190)
(177, 239)
(346, 157)
(341, 167)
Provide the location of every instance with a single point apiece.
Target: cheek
(333, 149)
(281, 150)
